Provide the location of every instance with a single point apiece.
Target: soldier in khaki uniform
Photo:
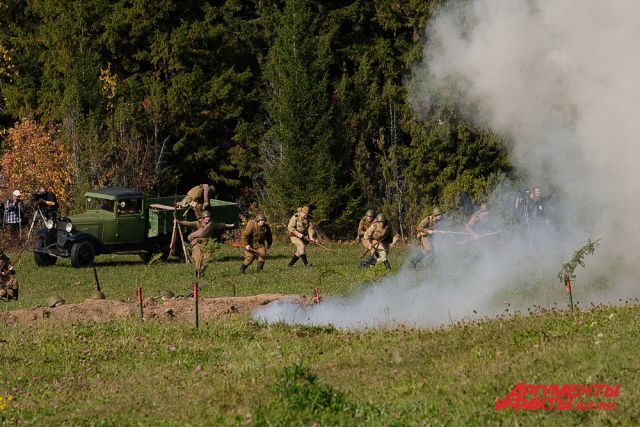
(197, 198)
(425, 230)
(301, 232)
(378, 237)
(8, 283)
(256, 239)
(205, 228)
(363, 226)
(478, 222)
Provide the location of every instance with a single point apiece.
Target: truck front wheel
(82, 254)
(42, 259)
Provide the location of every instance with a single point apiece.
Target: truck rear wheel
(42, 259)
(82, 254)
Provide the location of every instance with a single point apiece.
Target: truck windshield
(94, 204)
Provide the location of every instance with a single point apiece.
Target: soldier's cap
(17, 193)
(206, 214)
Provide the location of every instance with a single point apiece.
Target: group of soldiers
(374, 231)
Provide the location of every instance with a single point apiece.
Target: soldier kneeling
(8, 283)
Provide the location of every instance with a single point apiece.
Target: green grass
(237, 372)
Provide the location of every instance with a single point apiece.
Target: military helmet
(370, 213)
(96, 294)
(483, 207)
(167, 295)
(381, 218)
(437, 211)
(206, 214)
(260, 217)
(305, 210)
(54, 301)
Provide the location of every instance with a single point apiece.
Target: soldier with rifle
(378, 237)
(363, 226)
(426, 228)
(478, 222)
(256, 239)
(301, 232)
(205, 229)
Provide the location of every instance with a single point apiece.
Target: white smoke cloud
(560, 79)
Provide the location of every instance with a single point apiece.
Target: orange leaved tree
(32, 157)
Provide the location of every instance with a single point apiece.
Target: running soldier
(301, 232)
(478, 222)
(205, 229)
(378, 237)
(363, 226)
(256, 239)
(425, 230)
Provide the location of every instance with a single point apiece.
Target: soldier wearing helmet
(363, 226)
(205, 229)
(478, 222)
(256, 239)
(301, 232)
(425, 230)
(378, 238)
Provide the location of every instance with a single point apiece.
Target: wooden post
(140, 304)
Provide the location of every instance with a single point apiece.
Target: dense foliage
(285, 102)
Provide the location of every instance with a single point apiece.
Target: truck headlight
(49, 224)
(68, 227)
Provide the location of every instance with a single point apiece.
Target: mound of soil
(155, 309)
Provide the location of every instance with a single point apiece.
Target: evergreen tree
(300, 147)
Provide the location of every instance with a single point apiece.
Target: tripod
(37, 216)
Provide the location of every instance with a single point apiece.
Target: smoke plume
(559, 79)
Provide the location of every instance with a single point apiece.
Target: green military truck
(119, 221)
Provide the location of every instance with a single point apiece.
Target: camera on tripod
(39, 197)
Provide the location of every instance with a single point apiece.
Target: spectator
(13, 212)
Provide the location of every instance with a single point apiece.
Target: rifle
(190, 294)
(491, 233)
(15, 261)
(241, 246)
(449, 232)
(369, 250)
(306, 239)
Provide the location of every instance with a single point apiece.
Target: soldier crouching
(205, 229)
(379, 236)
(8, 283)
(256, 239)
(301, 232)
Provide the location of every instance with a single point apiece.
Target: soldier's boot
(242, 268)
(260, 266)
(416, 259)
(387, 265)
(369, 262)
(305, 261)
(293, 260)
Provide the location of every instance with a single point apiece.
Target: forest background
(284, 103)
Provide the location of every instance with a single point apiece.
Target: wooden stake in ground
(195, 301)
(95, 276)
(317, 298)
(140, 304)
(567, 286)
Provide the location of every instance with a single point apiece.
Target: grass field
(237, 372)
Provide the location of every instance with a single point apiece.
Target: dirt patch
(155, 309)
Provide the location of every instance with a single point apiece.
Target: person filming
(47, 202)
